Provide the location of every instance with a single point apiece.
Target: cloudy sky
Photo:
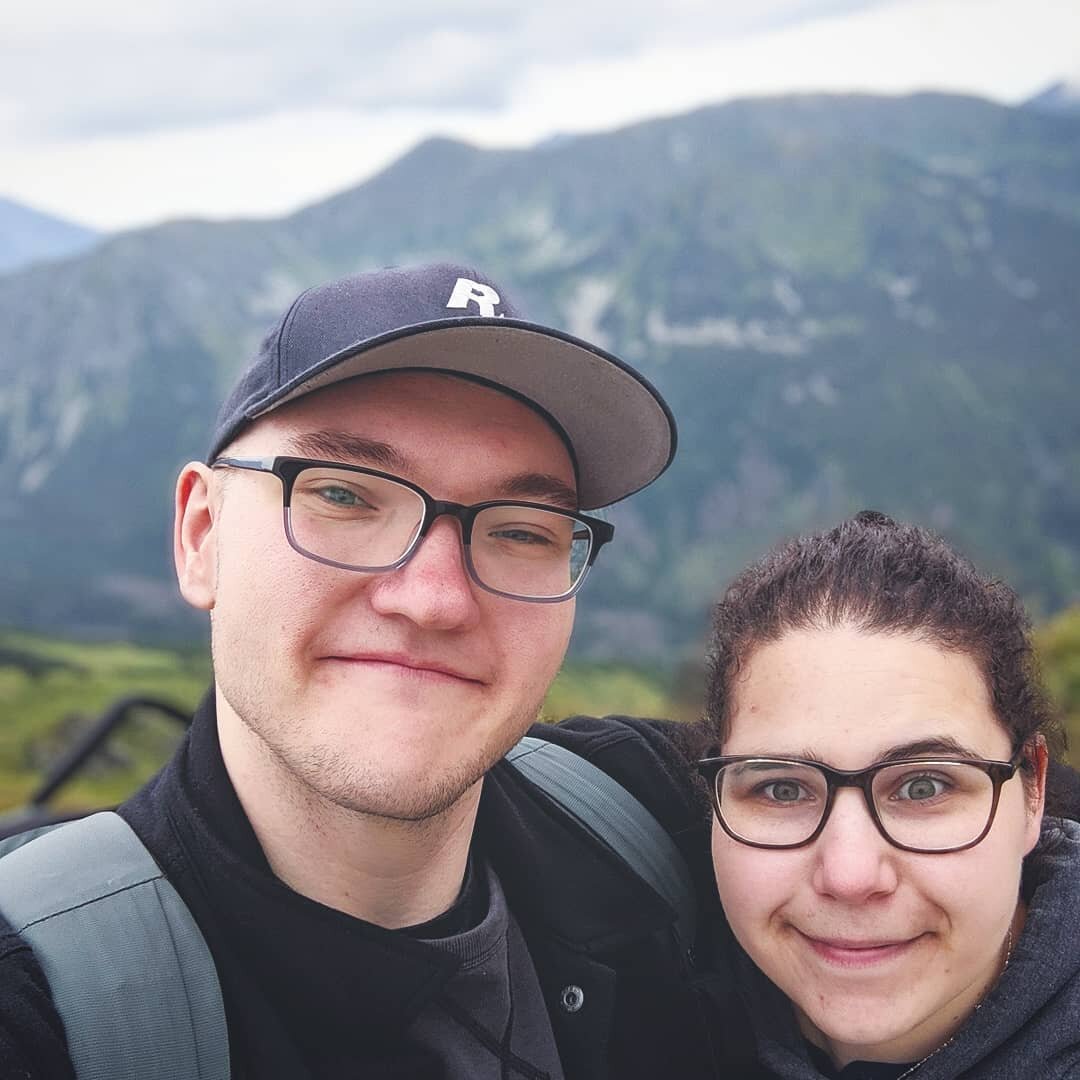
(125, 112)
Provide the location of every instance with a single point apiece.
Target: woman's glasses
(924, 805)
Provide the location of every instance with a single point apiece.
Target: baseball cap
(454, 319)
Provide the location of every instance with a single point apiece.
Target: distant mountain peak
(28, 235)
(1062, 96)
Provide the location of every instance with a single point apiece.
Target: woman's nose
(854, 862)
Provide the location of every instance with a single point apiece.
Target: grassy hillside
(1059, 650)
(50, 690)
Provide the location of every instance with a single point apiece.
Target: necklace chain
(948, 1042)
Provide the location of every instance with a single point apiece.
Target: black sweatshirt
(311, 992)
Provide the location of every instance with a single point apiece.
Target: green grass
(50, 690)
(1058, 642)
(598, 689)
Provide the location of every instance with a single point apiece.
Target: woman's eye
(920, 788)
(784, 791)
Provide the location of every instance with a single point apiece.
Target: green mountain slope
(848, 301)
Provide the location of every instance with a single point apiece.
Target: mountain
(27, 236)
(1058, 97)
(848, 301)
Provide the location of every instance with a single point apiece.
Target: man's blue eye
(336, 494)
(521, 536)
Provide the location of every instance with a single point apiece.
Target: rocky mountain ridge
(848, 301)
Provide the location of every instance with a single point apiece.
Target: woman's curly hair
(880, 576)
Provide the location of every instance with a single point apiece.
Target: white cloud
(251, 169)
(172, 109)
(972, 46)
(111, 67)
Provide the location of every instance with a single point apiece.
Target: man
(388, 535)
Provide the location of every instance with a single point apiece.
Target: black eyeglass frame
(287, 469)
(998, 771)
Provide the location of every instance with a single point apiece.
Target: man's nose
(433, 589)
(853, 861)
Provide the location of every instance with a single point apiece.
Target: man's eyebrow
(540, 487)
(351, 449)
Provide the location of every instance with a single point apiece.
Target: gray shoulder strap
(617, 818)
(129, 970)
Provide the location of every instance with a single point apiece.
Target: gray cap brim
(621, 431)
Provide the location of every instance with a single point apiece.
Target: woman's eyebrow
(940, 744)
(763, 764)
(805, 754)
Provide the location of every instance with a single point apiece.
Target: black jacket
(1027, 1026)
(311, 992)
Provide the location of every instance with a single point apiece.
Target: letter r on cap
(483, 296)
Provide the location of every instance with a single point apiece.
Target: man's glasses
(922, 805)
(362, 519)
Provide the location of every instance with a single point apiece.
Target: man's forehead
(349, 417)
(351, 449)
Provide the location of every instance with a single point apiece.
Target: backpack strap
(130, 973)
(607, 810)
(17, 840)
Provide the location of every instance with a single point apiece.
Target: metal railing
(36, 811)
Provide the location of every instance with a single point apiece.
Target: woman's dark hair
(880, 576)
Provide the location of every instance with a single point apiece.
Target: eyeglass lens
(928, 805)
(369, 522)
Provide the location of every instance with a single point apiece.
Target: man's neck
(387, 872)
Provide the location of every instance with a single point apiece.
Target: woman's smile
(856, 954)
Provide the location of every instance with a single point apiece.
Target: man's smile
(405, 665)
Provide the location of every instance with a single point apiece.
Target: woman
(883, 842)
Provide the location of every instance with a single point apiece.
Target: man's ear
(195, 535)
(1035, 789)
